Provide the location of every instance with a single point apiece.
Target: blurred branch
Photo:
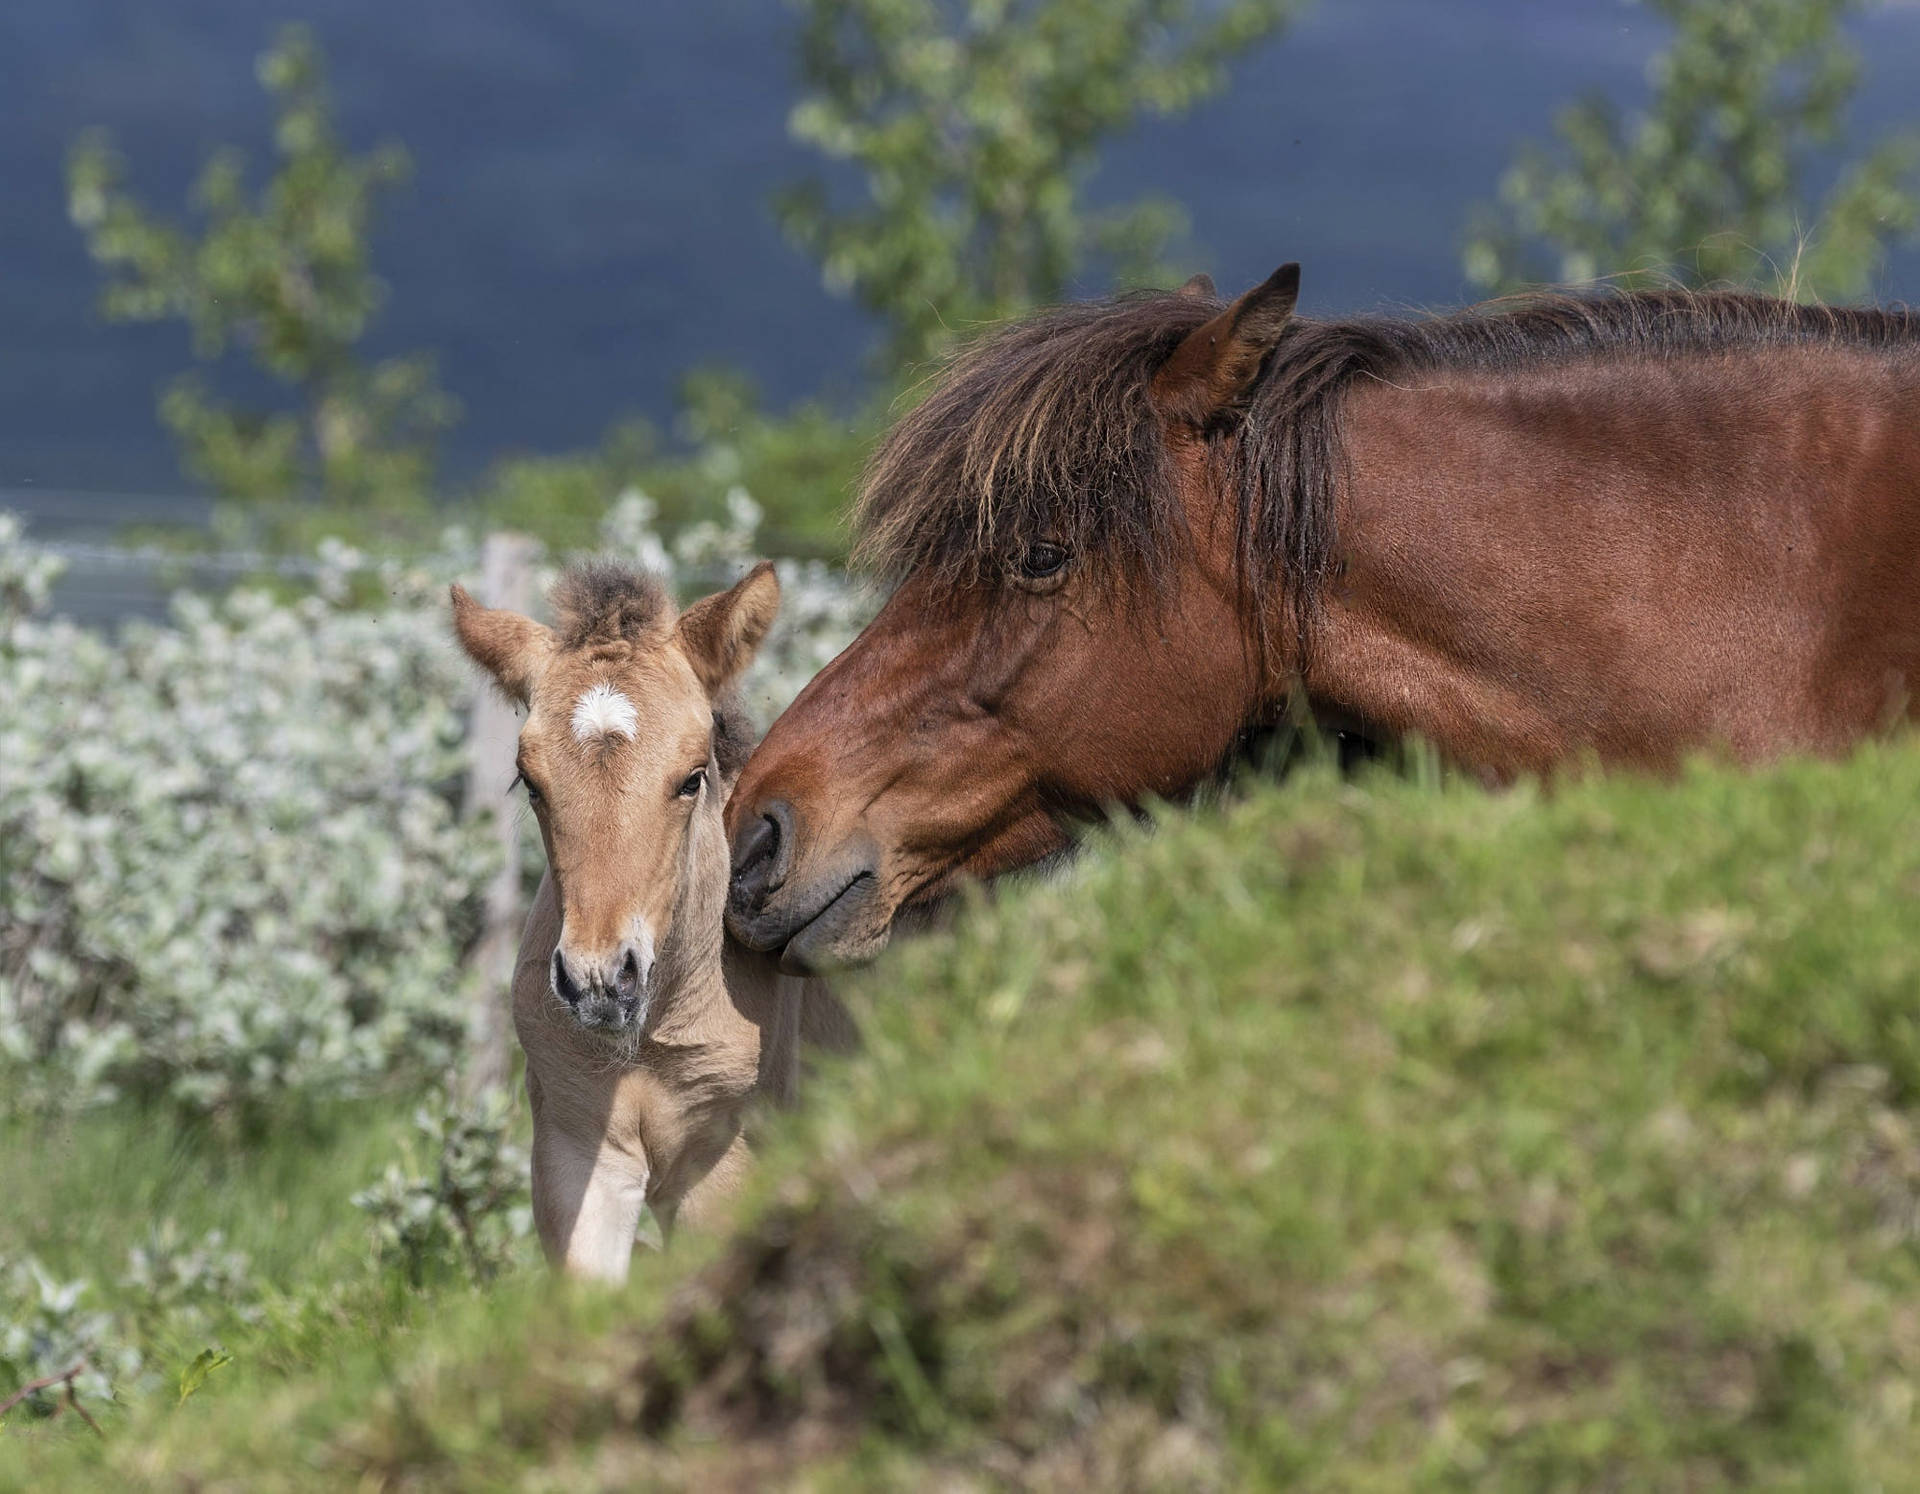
(285, 279)
(47, 1382)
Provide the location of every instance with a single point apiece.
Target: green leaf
(195, 1374)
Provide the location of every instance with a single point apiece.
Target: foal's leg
(587, 1194)
(587, 1197)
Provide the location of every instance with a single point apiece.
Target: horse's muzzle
(818, 921)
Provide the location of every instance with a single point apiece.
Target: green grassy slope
(1363, 1137)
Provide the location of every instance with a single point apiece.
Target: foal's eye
(1042, 559)
(692, 786)
(521, 780)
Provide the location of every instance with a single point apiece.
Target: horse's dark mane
(602, 601)
(1044, 429)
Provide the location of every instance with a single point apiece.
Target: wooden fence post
(506, 580)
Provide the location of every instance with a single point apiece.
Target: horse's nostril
(563, 982)
(760, 859)
(757, 847)
(626, 980)
(755, 856)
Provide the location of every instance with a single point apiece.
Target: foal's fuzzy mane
(1043, 429)
(602, 601)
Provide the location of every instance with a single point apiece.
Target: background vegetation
(974, 128)
(1376, 1134)
(1708, 186)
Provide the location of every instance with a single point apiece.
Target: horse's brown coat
(1620, 528)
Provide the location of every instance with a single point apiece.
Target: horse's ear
(1199, 288)
(1209, 374)
(510, 647)
(721, 634)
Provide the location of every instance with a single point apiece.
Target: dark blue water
(589, 212)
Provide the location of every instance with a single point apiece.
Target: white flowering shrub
(188, 1285)
(232, 859)
(26, 575)
(174, 1290)
(230, 853)
(459, 1200)
(47, 1327)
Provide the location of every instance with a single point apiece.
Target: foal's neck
(694, 1005)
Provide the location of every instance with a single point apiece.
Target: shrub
(231, 855)
(463, 1208)
(174, 1291)
(188, 1285)
(47, 1326)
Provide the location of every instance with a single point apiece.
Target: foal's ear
(1199, 288)
(510, 647)
(1209, 374)
(721, 634)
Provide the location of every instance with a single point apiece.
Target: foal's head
(631, 743)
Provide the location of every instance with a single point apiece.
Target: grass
(79, 1191)
(1356, 1137)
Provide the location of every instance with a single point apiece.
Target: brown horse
(1617, 527)
(646, 1032)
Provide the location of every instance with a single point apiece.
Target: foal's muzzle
(605, 993)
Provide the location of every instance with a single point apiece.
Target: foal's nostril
(563, 982)
(626, 980)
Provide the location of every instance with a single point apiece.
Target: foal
(646, 1031)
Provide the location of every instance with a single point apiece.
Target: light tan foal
(646, 1030)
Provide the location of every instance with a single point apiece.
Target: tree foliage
(800, 464)
(1708, 185)
(974, 126)
(285, 278)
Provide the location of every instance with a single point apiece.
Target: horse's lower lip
(795, 957)
(771, 930)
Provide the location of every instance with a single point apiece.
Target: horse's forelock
(1040, 430)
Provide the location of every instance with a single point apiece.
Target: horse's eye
(1043, 559)
(692, 786)
(521, 779)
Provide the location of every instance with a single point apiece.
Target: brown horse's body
(1701, 554)
(1617, 529)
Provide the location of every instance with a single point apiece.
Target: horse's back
(1642, 557)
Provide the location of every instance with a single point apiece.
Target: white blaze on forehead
(603, 711)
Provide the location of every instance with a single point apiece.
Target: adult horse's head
(1067, 629)
(631, 742)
